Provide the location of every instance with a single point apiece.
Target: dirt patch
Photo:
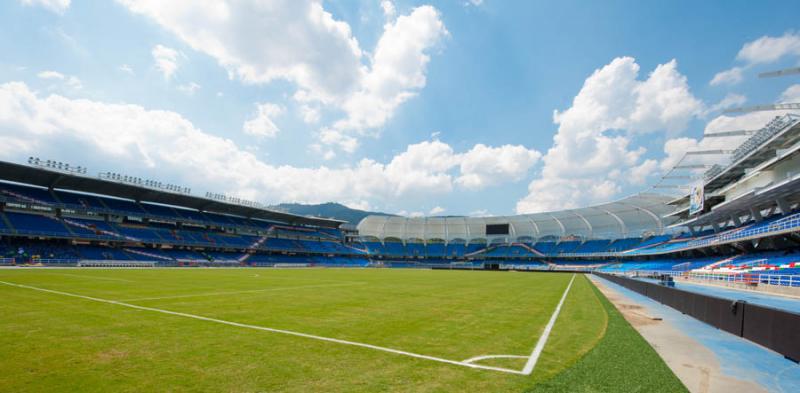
(111, 355)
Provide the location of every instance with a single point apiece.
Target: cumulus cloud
(727, 77)
(593, 151)
(133, 138)
(483, 165)
(261, 123)
(57, 6)
(320, 56)
(166, 60)
(770, 49)
(397, 70)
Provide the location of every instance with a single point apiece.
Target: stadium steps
(25, 198)
(7, 222)
(529, 248)
(147, 254)
(89, 228)
(71, 232)
(482, 250)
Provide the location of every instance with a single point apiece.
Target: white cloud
(770, 49)
(397, 70)
(484, 166)
(249, 39)
(50, 75)
(593, 150)
(791, 94)
(475, 3)
(480, 213)
(310, 113)
(437, 210)
(57, 6)
(261, 124)
(126, 69)
(166, 60)
(359, 205)
(74, 83)
(320, 56)
(388, 8)
(414, 214)
(70, 81)
(727, 77)
(331, 137)
(163, 144)
(189, 88)
(764, 50)
(729, 101)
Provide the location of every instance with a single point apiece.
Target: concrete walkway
(705, 359)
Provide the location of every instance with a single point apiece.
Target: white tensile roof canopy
(634, 216)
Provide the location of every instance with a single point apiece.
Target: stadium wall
(775, 329)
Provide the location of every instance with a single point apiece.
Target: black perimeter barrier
(775, 329)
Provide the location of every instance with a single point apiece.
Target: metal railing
(792, 280)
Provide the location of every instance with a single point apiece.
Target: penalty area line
(537, 350)
(268, 329)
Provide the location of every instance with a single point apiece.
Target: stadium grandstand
(747, 221)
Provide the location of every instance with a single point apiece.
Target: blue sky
(438, 107)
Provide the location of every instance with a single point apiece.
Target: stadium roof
(45, 177)
(629, 217)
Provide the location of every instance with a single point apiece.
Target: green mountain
(327, 210)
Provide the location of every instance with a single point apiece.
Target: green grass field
(54, 342)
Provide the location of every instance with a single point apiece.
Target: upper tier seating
(35, 224)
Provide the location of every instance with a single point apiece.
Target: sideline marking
(537, 350)
(267, 329)
(239, 292)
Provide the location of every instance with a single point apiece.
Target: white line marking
(478, 358)
(240, 292)
(537, 350)
(267, 329)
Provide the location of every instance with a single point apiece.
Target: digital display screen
(497, 229)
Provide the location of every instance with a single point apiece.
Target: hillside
(328, 210)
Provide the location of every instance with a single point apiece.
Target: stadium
(110, 281)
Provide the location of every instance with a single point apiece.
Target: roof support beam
(585, 221)
(729, 133)
(783, 205)
(763, 108)
(622, 226)
(756, 214)
(708, 152)
(535, 226)
(560, 224)
(784, 72)
(654, 216)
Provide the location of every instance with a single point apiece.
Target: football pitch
(306, 330)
